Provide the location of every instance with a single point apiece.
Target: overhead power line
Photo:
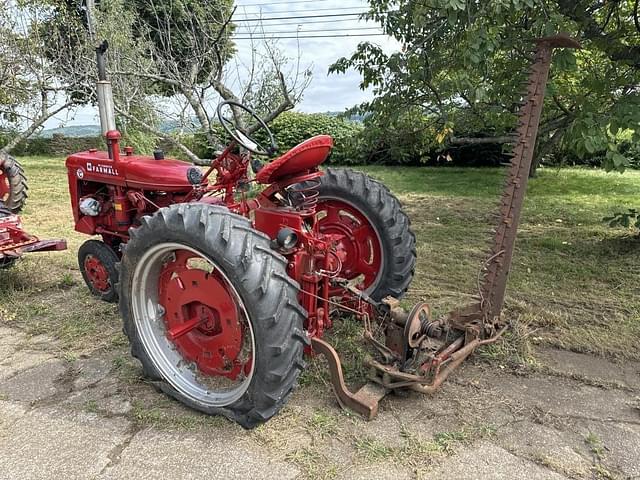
(310, 22)
(263, 37)
(308, 10)
(266, 19)
(303, 31)
(278, 3)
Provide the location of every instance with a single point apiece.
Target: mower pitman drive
(222, 293)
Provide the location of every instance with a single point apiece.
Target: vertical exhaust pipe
(105, 104)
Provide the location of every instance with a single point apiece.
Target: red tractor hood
(135, 171)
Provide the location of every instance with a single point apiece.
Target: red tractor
(222, 292)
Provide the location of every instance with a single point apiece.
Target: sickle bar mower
(419, 353)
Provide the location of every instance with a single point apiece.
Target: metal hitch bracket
(365, 401)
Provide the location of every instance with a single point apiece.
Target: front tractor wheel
(379, 244)
(211, 313)
(97, 262)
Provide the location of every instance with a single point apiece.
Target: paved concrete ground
(575, 417)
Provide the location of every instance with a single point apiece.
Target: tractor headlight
(286, 238)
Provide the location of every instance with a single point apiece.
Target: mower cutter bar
(418, 353)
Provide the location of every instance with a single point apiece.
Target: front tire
(378, 238)
(242, 352)
(97, 262)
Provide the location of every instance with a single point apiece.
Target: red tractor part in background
(221, 292)
(14, 241)
(13, 184)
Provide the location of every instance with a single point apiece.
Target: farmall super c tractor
(14, 240)
(222, 294)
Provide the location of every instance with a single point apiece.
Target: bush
(143, 143)
(57, 145)
(628, 148)
(406, 139)
(60, 145)
(291, 128)
(411, 138)
(631, 150)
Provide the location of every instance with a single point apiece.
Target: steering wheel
(241, 137)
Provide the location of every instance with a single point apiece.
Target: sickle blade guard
(418, 353)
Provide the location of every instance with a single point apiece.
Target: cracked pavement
(576, 416)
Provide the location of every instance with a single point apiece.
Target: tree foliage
(39, 75)
(461, 64)
(168, 61)
(184, 30)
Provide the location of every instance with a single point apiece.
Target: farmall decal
(103, 169)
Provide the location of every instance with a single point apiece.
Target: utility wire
(266, 19)
(278, 3)
(309, 22)
(308, 10)
(263, 37)
(343, 29)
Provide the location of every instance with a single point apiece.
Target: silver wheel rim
(148, 317)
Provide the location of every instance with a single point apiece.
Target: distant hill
(74, 131)
(354, 117)
(94, 130)
(167, 126)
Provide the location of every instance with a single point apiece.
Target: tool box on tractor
(223, 293)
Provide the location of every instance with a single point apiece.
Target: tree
(187, 67)
(33, 86)
(168, 61)
(186, 31)
(462, 63)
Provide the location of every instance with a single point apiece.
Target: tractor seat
(304, 156)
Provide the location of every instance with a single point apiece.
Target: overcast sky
(326, 92)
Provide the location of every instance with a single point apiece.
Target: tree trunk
(479, 140)
(543, 149)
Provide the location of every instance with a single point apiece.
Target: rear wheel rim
(361, 240)
(5, 186)
(193, 324)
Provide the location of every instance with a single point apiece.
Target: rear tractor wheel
(97, 262)
(380, 246)
(211, 313)
(13, 184)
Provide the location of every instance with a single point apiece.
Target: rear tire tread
(18, 187)
(269, 295)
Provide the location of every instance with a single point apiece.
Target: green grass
(573, 282)
(45, 293)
